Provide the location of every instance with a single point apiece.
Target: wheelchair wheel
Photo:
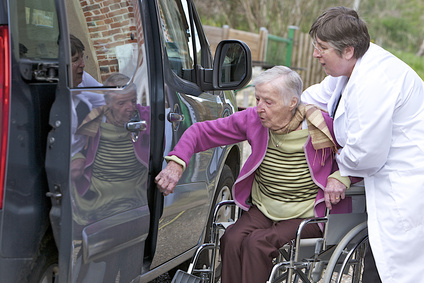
(226, 182)
(223, 193)
(347, 261)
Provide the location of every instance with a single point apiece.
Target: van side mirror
(232, 68)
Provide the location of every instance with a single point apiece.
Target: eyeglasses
(82, 58)
(320, 51)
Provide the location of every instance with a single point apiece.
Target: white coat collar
(342, 81)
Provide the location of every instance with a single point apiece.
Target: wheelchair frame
(338, 256)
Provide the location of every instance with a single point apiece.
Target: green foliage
(276, 53)
(396, 27)
(395, 24)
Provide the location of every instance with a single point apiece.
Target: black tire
(224, 192)
(45, 268)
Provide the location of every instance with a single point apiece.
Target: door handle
(175, 117)
(57, 196)
(136, 126)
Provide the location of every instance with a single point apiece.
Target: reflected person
(115, 170)
(82, 102)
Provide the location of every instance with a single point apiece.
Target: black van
(93, 95)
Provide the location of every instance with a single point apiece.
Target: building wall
(102, 26)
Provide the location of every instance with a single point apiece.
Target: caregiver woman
(379, 122)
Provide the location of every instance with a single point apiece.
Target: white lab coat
(380, 124)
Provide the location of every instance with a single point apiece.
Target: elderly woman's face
(123, 106)
(272, 111)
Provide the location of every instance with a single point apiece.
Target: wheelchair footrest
(184, 277)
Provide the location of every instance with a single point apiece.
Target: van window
(198, 45)
(39, 33)
(177, 35)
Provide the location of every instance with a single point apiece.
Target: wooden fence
(256, 41)
(309, 68)
(302, 61)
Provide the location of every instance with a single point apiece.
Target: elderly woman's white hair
(285, 80)
(118, 80)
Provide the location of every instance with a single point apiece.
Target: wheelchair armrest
(356, 189)
(302, 224)
(219, 205)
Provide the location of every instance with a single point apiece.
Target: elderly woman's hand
(77, 168)
(334, 192)
(168, 178)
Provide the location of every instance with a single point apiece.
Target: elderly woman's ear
(293, 103)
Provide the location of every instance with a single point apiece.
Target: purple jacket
(246, 125)
(141, 151)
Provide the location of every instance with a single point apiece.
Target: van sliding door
(101, 121)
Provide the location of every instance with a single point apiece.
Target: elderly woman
(281, 182)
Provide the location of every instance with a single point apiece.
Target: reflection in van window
(39, 17)
(39, 33)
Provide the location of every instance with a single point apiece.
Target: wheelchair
(338, 256)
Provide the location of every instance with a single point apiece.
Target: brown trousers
(248, 246)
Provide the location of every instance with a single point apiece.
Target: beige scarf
(320, 134)
(90, 125)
